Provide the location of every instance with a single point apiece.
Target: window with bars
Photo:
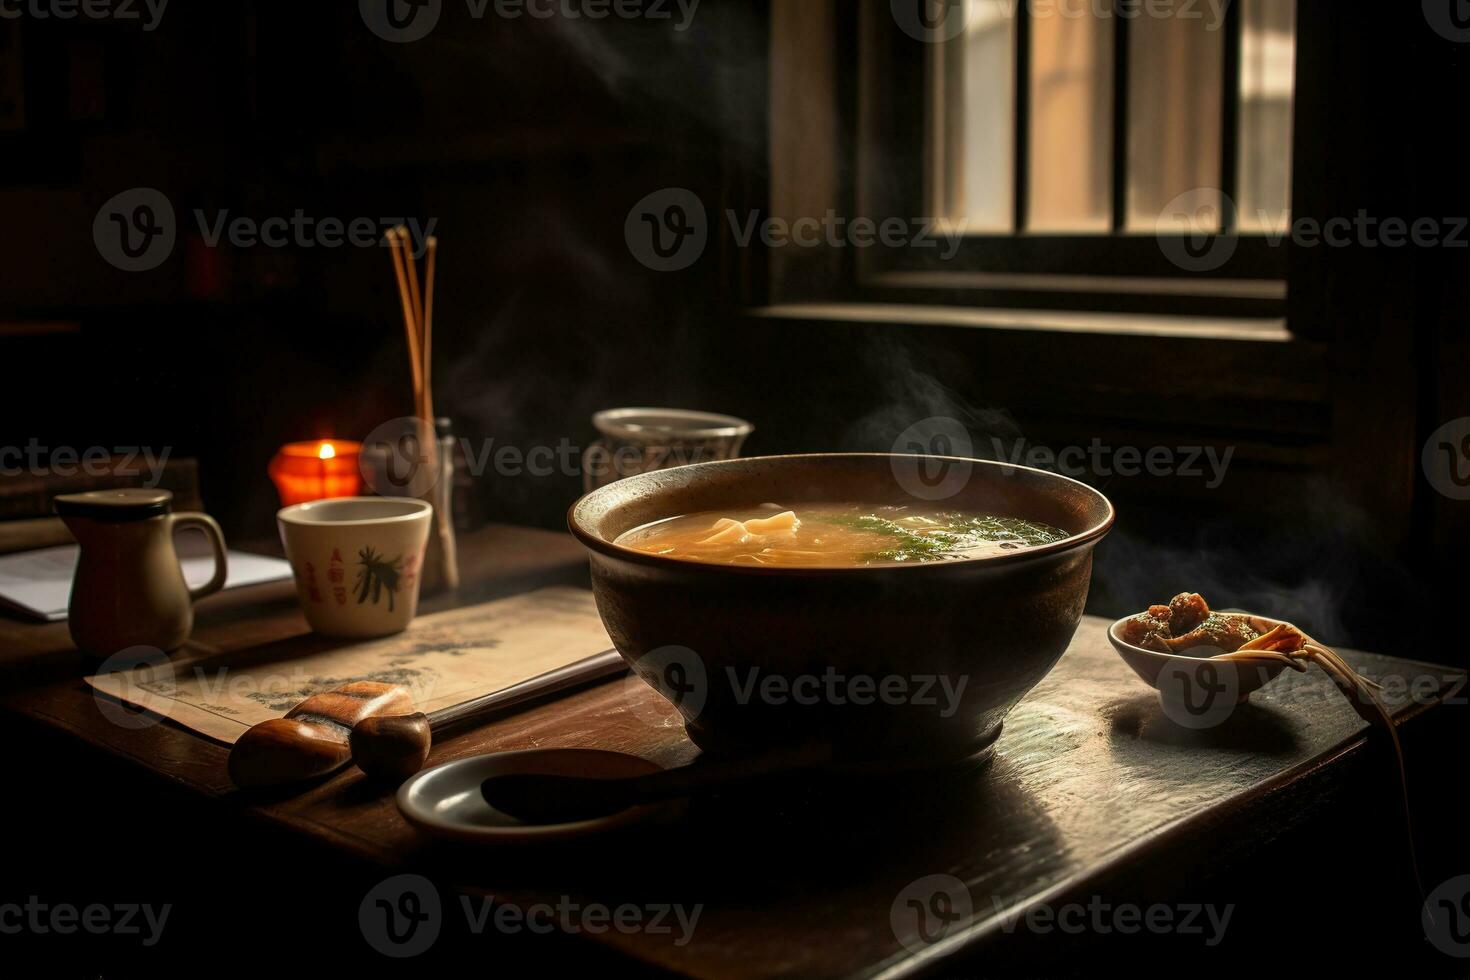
(1089, 122)
(1063, 138)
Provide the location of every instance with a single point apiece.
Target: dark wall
(526, 141)
(529, 141)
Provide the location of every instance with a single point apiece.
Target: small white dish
(445, 801)
(1179, 677)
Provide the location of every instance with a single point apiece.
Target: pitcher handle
(216, 538)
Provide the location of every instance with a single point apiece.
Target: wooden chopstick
(410, 320)
(432, 245)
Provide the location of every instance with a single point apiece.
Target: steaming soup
(837, 534)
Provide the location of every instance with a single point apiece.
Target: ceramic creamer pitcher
(129, 590)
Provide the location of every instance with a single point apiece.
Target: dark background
(528, 141)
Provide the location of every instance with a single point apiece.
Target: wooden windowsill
(1259, 329)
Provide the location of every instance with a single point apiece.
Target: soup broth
(837, 534)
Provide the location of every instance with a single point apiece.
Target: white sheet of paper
(38, 583)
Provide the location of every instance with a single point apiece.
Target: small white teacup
(357, 561)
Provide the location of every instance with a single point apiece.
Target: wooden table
(1092, 792)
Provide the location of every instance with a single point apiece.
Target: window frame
(881, 109)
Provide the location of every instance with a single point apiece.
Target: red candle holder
(317, 470)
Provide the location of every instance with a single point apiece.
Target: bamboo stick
(430, 262)
(410, 322)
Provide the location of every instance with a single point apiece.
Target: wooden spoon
(394, 747)
(374, 725)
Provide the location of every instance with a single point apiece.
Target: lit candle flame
(327, 451)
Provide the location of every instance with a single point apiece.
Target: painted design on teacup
(377, 575)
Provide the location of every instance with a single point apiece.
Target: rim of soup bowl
(595, 542)
(299, 514)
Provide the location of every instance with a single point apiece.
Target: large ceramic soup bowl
(890, 665)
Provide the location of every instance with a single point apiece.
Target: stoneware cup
(357, 561)
(640, 440)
